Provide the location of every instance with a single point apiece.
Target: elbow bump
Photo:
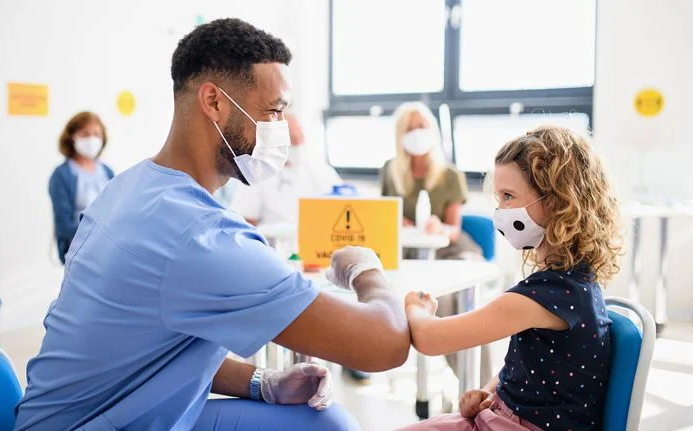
(395, 354)
(424, 347)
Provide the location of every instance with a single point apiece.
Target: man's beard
(226, 165)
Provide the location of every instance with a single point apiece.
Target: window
(360, 142)
(498, 67)
(376, 50)
(532, 44)
(479, 137)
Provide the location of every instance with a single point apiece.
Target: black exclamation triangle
(347, 218)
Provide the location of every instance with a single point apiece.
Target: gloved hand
(302, 383)
(348, 263)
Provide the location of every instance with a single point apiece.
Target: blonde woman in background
(420, 165)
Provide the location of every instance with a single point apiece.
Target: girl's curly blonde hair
(584, 225)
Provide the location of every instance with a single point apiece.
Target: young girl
(555, 203)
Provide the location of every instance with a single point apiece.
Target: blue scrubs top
(160, 283)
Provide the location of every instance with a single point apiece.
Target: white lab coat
(276, 199)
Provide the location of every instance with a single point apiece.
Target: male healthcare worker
(161, 282)
(276, 200)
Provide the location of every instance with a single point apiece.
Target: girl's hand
(474, 401)
(420, 300)
(406, 222)
(434, 226)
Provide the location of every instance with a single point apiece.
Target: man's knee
(336, 418)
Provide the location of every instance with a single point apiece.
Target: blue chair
(631, 354)
(10, 392)
(481, 230)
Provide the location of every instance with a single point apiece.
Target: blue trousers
(242, 415)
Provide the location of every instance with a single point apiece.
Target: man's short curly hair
(227, 48)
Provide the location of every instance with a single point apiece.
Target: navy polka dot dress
(557, 379)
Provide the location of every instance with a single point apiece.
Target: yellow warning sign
(126, 103)
(27, 99)
(649, 102)
(348, 222)
(328, 224)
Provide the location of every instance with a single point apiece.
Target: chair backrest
(10, 392)
(481, 230)
(631, 354)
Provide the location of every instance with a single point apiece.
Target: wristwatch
(255, 385)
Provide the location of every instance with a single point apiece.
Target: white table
(439, 278)
(412, 237)
(638, 212)
(426, 246)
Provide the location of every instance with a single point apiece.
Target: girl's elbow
(424, 343)
(426, 348)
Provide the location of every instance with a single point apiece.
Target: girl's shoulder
(579, 275)
(568, 294)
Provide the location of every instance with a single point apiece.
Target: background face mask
(271, 149)
(518, 228)
(88, 146)
(418, 142)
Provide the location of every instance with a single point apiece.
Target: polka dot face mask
(518, 228)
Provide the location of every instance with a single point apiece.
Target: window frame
(551, 100)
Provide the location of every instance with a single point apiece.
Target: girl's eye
(507, 196)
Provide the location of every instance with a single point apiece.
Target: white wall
(644, 43)
(87, 52)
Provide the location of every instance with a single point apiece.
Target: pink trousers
(498, 417)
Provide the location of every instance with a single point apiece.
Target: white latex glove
(348, 263)
(300, 384)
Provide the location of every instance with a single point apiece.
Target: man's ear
(208, 97)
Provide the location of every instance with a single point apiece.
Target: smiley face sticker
(649, 102)
(126, 103)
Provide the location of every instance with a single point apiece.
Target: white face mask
(88, 146)
(418, 142)
(271, 150)
(518, 228)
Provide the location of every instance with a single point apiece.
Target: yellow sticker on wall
(126, 103)
(328, 224)
(649, 102)
(27, 99)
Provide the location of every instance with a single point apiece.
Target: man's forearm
(372, 288)
(233, 379)
(370, 285)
